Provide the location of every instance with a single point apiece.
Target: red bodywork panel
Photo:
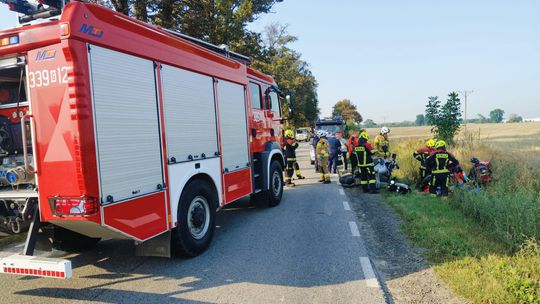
(65, 150)
(142, 217)
(237, 184)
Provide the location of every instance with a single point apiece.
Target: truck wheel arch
(272, 152)
(183, 179)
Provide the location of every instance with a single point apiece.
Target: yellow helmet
(430, 143)
(364, 135)
(289, 133)
(440, 144)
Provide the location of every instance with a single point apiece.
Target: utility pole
(465, 93)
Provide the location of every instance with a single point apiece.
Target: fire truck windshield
(331, 128)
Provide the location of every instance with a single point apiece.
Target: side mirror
(289, 99)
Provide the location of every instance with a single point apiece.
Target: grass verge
(472, 260)
(11, 239)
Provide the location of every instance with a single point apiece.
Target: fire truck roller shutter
(190, 115)
(233, 126)
(127, 125)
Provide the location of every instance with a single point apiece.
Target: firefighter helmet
(364, 135)
(385, 130)
(321, 133)
(440, 144)
(430, 143)
(289, 133)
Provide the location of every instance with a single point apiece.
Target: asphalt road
(306, 250)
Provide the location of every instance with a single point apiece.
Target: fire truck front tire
(196, 219)
(274, 194)
(70, 241)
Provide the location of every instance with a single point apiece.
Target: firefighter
(438, 162)
(351, 143)
(382, 145)
(290, 155)
(421, 155)
(363, 153)
(321, 153)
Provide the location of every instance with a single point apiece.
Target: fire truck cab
(114, 128)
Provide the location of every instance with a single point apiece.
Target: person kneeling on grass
(421, 155)
(438, 162)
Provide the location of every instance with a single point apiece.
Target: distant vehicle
(334, 125)
(330, 125)
(302, 134)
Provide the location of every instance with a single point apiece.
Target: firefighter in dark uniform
(363, 152)
(438, 162)
(421, 155)
(290, 155)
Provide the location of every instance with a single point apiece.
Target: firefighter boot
(288, 182)
(297, 171)
(327, 179)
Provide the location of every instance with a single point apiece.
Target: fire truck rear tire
(70, 241)
(196, 219)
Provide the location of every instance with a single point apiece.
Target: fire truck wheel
(273, 195)
(196, 219)
(70, 241)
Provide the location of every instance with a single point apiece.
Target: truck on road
(333, 125)
(114, 128)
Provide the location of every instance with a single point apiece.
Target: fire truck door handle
(24, 144)
(254, 132)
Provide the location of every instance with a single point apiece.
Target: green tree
(432, 110)
(369, 123)
(347, 110)
(445, 119)
(420, 120)
(496, 115)
(290, 72)
(515, 118)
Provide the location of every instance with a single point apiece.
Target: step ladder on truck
(114, 128)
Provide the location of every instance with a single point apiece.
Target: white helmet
(385, 130)
(321, 133)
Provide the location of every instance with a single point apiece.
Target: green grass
(484, 244)
(472, 260)
(10, 239)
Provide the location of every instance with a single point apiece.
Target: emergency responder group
(435, 160)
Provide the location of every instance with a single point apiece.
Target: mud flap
(159, 246)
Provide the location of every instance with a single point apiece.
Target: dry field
(523, 137)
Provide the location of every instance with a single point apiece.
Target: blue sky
(389, 56)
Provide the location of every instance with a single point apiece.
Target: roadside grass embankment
(484, 243)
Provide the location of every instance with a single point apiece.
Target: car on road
(302, 134)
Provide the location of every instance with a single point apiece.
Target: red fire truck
(114, 128)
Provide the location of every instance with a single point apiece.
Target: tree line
(225, 22)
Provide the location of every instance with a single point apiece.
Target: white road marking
(369, 274)
(346, 206)
(341, 192)
(354, 229)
